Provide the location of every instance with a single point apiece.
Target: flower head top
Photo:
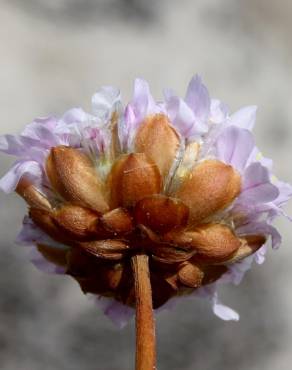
(180, 181)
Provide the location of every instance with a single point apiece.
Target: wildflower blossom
(181, 181)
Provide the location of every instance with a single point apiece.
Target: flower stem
(145, 324)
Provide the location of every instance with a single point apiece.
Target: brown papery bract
(159, 141)
(191, 275)
(117, 221)
(107, 249)
(55, 255)
(73, 176)
(132, 178)
(161, 213)
(210, 187)
(212, 242)
(31, 195)
(77, 222)
(45, 221)
(249, 245)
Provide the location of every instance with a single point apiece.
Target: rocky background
(53, 55)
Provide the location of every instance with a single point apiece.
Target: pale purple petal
(31, 234)
(275, 236)
(285, 193)
(198, 99)
(183, 118)
(97, 140)
(130, 117)
(121, 314)
(47, 137)
(257, 156)
(223, 312)
(274, 208)
(234, 146)
(74, 115)
(257, 187)
(23, 147)
(105, 101)
(44, 265)
(255, 174)
(118, 313)
(244, 118)
(50, 132)
(16, 145)
(169, 305)
(127, 128)
(206, 291)
(260, 255)
(267, 162)
(68, 129)
(168, 93)
(261, 228)
(43, 131)
(142, 103)
(31, 130)
(237, 271)
(9, 182)
(219, 111)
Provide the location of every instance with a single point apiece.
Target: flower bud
(161, 213)
(132, 178)
(156, 136)
(210, 187)
(73, 176)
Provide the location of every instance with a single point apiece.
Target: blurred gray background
(53, 55)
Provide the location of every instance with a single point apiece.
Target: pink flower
(182, 179)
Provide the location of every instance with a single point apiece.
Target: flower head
(180, 180)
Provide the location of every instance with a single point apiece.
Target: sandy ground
(53, 57)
